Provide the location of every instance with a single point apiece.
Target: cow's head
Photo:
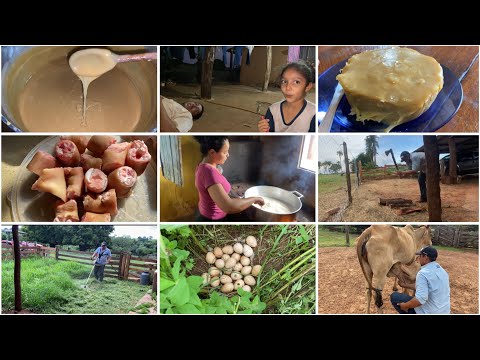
(423, 237)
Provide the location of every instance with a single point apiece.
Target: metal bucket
(291, 199)
(20, 63)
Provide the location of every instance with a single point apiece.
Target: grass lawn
(333, 182)
(56, 287)
(333, 238)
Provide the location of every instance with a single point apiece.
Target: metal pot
(291, 199)
(19, 63)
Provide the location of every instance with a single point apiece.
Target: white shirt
(178, 114)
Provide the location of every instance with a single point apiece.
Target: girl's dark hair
(210, 142)
(303, 68)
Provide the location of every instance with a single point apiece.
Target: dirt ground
(459, 202)
(233, 108)
(341, 284)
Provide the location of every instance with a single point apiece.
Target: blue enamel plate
(440, 112)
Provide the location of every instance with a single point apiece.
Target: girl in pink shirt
(212, 186)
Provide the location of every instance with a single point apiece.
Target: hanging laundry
(293, 53)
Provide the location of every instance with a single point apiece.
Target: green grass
(337, 239)
(56, 287)
(438, 247)
(330, 183)
(333, 238)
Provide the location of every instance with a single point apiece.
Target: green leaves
(180, 293)
(250, 307)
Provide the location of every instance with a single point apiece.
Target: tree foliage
(141, 246)
(86, 237)
(6, 235)
(335, 168)
(371, 146)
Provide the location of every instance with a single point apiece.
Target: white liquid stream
(274, 206)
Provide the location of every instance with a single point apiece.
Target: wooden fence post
(57, 250)
(359, 169)
(120, 266)
(456, 237)
(452, 166)
(347, 236)
(347, 172)
(127, 265)
(154, 285)
(433, 178)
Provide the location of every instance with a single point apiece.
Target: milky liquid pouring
(43, 94)
(88, 65)
(274, 206)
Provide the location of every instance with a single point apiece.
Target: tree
(326, 165)
(371, 146)
(340, 154)
(6, 235)
(335, 168)
(84, 236)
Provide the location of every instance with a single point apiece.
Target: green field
(329, 183)
(56, 287)
(333, 238)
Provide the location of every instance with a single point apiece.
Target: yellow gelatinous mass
(392, 85)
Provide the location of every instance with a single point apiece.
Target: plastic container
(31, 205)
(145, 278)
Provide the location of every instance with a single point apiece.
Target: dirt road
(341, 284)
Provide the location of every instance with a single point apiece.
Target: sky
(328, 145)
(136, 231)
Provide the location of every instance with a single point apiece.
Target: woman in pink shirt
(212, 186)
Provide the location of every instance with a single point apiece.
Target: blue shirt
(102, 260)
(432, 290)
(418, 161)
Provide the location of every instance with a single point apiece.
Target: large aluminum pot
(19, 63)
(290, 199)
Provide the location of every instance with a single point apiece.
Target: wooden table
(456, 58)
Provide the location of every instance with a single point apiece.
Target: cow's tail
(362, 253)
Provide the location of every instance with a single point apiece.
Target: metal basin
(20, 64)
(289, 201)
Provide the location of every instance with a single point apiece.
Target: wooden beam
(433, 178)
(399, 205)
(268, 69)
(452, 171)
(207, 73)
(347, 235)
(408, 211)
(386, 201)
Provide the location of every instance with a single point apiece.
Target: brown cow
(385, 250)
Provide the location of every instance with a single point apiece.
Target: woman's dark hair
(210, 142)
(302, 67)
